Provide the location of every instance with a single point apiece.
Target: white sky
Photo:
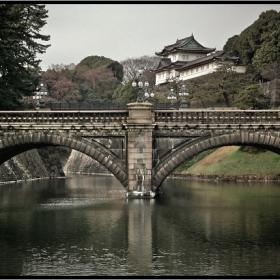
(120, 31)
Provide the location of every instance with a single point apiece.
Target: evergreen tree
(87, 94)
(125, 93)
(252, 98)
(20, 25)
(258, 44)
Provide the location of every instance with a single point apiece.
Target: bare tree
(132, 65)
(61, 66)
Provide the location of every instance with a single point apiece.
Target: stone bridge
(140, 146)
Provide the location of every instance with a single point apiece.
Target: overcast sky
(120, 31)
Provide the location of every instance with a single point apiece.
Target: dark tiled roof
(181, 45)
(163, 64)
(203, 60)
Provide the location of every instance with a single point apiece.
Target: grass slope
(231, 160)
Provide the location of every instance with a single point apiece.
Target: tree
(271, 71)
(19, 67)
(95, 61)
(94, 80)
(65, 90)
(227, 82)
(258, 44)
(88, 95)
(125, 93)
(132, 65)
(252, 98)
(61, 66)
(220, 87)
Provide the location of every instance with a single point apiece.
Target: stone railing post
(139, 163)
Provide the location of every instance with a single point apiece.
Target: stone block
(139, 155)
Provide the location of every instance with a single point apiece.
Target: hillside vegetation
(233, 160)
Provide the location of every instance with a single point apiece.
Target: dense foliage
(94, 79)
(20, 26)
(258, 45)
(252, 98)
(219, 88)
(94, 62)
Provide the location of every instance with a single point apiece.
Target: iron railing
(86, 106)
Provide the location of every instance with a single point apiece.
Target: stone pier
(139, 136)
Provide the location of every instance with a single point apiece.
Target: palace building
(188, 59)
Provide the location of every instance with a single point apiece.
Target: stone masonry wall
(81, 163)
(36, 163)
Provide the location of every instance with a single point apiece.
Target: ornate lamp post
(183, 93)
(171, 96)
(144, 92)
(39, 96)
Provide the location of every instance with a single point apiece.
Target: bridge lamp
(171, 96)
(144, 92)
(41, 91)
(183, 93)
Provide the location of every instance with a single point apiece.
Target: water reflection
(140, 236)
(84, 225)
(220, 229)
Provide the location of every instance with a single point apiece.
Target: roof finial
(192, 35)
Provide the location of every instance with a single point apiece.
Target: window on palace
(192, 70)
(196, 69)
(202, 67)
(207, 66)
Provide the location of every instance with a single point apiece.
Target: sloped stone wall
(36, 163)
(81, 163)
(28, 165)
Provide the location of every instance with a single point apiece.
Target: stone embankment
(227, 178)
(48, 162)
(81, 163)
(37, 163)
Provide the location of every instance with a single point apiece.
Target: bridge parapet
(63, 117)
(217, 116)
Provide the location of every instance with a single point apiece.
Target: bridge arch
(188, 150)
(13, 145)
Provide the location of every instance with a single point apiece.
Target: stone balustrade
(217, 116)
(63, 117)
(159, 116)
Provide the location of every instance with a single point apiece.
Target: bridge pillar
(139, 164)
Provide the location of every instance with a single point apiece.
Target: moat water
(83, 225)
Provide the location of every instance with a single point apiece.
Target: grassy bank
(233, 160)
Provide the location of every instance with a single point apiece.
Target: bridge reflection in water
(140, 241)
(81, 225)
(139, 145)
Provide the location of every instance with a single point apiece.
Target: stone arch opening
(14, 145)
(191, 149)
